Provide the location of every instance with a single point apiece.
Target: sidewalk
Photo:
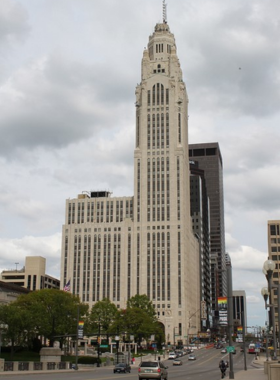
(255, 373)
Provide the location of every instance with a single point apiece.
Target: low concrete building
(32, 276)
(10, 292)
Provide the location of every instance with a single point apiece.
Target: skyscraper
(209, 158)
(200, 214)
(144, 244)
(239, 310)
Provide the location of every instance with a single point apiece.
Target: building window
(138, 265)
(149, 265)
(154, 95)
(274, 229)
(179, 128)
(149, 131)
(167, 130)
(138, 132)
(167, 96)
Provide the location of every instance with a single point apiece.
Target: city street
(205, 367)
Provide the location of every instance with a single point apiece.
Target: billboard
(203, 311)
(81, 330)
(222, 306)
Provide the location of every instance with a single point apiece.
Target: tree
(137, 322)
(18, 327)
(53, 313)
(142, 302)
(101, 317)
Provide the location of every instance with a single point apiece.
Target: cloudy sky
(64, 63)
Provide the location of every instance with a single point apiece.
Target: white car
(192, 357)
(172, 355)
(177, 362)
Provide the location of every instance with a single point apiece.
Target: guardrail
(35, 366)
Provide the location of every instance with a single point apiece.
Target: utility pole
(243, 337)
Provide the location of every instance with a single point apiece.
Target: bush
(88, 360)
(36, 345)
(9, 348)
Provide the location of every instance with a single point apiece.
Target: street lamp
(208, 331)
(265, 294)
(230, 315)
(241, 313)
(174, 335)
(98, 344)
(117, 339)
(131, 339)
(268, 268)
(77, 338)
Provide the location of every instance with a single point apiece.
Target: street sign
(230, 349)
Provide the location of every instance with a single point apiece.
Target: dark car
(122, 368)
(219, 345)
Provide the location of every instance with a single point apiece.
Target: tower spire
(164, 14)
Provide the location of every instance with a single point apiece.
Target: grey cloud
(234, 61)
(13, 22)
(53, 104)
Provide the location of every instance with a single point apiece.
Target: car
(224, 351)
(172, 356)
(152, 370)
(179, 353)
(122, 368)
(177, 362)
(192, 357)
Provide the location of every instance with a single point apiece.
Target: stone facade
(144, 244)
(32, 276)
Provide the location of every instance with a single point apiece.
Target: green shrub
(88, 360)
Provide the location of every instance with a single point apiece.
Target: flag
(67, 287)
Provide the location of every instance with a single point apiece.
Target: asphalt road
(205, 367)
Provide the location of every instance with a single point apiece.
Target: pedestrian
(223, 368)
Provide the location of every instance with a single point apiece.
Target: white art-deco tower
(119, 247)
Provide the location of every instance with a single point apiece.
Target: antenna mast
(164, 15)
